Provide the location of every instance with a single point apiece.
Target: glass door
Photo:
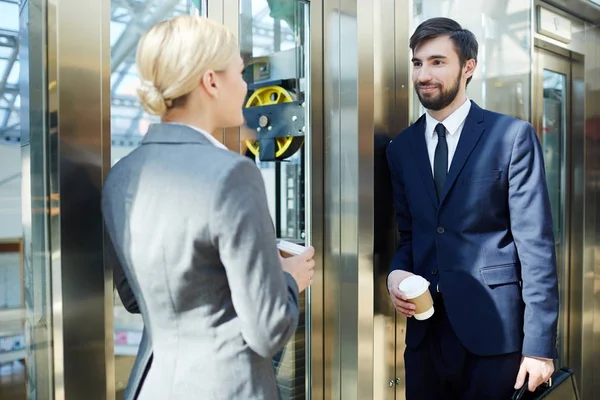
(552, 120)
(274, 42)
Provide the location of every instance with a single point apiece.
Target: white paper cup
(416, 290)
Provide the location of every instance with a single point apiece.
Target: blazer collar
(174, 134)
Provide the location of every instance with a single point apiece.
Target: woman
(189, 225)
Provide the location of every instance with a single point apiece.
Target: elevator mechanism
(275, 105)
(275, 109)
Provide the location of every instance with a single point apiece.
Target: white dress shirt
(207, 135)
(454, 125)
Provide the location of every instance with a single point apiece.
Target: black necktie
(440, 160)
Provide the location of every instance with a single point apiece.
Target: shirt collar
(207, 135)
(451, 123)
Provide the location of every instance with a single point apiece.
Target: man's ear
(469, 67)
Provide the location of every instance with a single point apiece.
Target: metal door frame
(547, 60)
(577, 328)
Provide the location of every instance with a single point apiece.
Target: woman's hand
(301, 267)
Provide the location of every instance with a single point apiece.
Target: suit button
(440, 230)
(434, 271)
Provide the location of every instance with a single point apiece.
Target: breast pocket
(483, 176)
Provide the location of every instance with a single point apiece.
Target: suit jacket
(488, 243)
(190, 227)
(133, 303)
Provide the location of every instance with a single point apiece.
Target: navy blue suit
(488, 243)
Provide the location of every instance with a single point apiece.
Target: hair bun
(151, 98)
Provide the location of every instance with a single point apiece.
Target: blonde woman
(189, 227)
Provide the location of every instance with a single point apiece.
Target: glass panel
(13, 77)
(554, 125)
(273, 43)
(5, 52)
(503, 29)
(9, 12)
(128, 125)
(14, 348)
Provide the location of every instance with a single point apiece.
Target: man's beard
(442, 100)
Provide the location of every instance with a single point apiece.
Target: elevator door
(552, 121)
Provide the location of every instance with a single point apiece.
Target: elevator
(329, 85)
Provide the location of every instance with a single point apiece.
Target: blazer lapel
(421, 156)
(469, 138)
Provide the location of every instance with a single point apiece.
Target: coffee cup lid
(413, 286)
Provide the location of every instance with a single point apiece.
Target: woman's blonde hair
(173, 55)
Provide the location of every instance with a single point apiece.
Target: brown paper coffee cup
(416, 290)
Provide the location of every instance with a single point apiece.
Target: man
(474, 219)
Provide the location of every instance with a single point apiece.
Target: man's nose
(423, 75)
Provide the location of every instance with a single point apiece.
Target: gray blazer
(190, 226)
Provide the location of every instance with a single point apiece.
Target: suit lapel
(419, 147)
(469, 138)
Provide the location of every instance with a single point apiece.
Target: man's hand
(402, 306)
(539, 370)
(301, 267)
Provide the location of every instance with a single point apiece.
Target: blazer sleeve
(403, 259)
(265, 298)
(531, 227)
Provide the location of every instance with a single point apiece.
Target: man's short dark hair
(464, 40)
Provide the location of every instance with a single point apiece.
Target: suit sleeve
(403, 259)
(265, 297)
(123, 288)
(531, 226)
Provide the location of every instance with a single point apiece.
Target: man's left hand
(539, 370)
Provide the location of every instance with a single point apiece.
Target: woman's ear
(208, 81)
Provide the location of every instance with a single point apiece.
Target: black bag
(562, 387)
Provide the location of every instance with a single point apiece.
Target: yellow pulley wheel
(269, 95)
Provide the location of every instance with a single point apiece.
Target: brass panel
(365, 199)
(591, 261)
(349, 164)
(403, 117)
(79, 92)
(577, 214)
(332, 200)
(315, 207)
(105, 154)
(384, 101)
(348, 59)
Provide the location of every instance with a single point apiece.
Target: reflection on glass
(14, 348)
(502, 79)
(273, 46)
(129, 122)
(554, 125)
